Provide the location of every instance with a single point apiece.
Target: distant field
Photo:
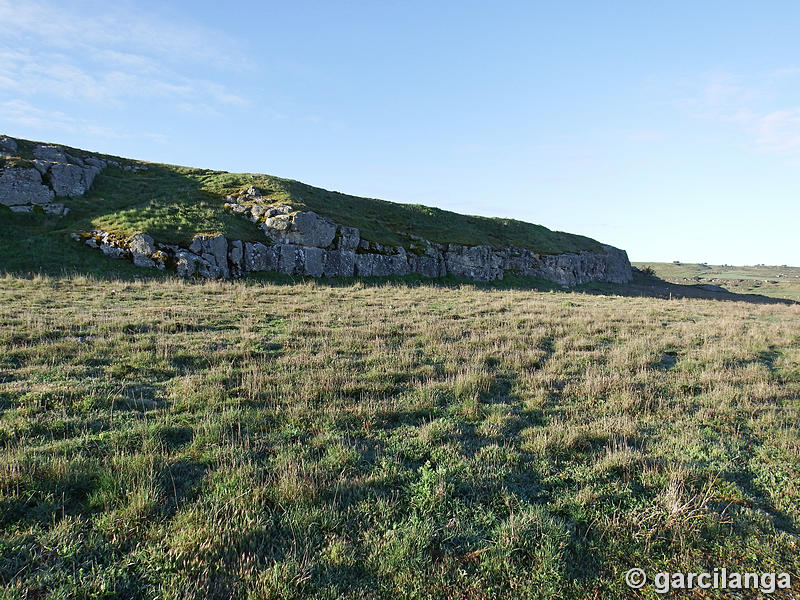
(172, 439)
(774, 281)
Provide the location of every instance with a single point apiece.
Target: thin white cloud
(24, 114)
(757, 108)
(28, 74)
(112, 57)
(779, 131)
(104, 27)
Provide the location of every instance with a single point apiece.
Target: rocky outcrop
(70, 179)
(282, 225)
(8, 146)
(21, 187)
(480, 263)
(140, 248)
(305, 243)
(213, 252)
(33, 185)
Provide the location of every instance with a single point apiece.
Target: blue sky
(669, 129)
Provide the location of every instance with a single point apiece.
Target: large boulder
(8, 146)
(310, 229)
(50, 154)
(313, 261)
(429, 266)
(186, 263)
(290, 259)
(236, 258)
(71, 180)
(306, 229)
(23, 186)
(189, 264)
(259, 257)
(213, 249)
(339, 263)
(141, 243)
(479, 263)
(142, 248)
(67, 180)
(381, 265)
(349, 238)
(275, 227)
(618, 267)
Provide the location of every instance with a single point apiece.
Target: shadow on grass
(650, 286)
(165, 202)
(102, 268)
(643, 286)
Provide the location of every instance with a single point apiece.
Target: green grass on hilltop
(392, 223)
(214, 440)
(176, 203)
(172, 204)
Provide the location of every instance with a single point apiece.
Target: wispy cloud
(118, 29)
(779, 131)
(112, 56)
(23, 113)
(763, 109)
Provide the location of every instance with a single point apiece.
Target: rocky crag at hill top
(284, 235)
(29, 185)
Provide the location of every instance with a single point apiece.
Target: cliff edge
(212, 224)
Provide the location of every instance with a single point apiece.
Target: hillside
(175, 204)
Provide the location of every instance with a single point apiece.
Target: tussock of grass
(167, 439)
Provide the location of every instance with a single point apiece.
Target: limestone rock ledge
(305, 243)
(33, 185)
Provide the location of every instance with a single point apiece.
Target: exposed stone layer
(52, 173)
(305, 243)
(8, 146)
(23, 187)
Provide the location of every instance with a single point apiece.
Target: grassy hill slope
(175, 203)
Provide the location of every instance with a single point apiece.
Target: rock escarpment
(305, 243)
(32, 185)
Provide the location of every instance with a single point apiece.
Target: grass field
(775, 281)
(173, 439)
